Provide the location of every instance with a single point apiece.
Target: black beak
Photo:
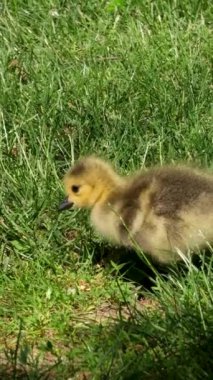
(65, 205)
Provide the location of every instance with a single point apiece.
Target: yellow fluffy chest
(106, 222)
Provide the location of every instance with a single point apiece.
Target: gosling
(165, 211)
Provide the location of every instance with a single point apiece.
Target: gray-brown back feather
(173, 189)
(178, 188)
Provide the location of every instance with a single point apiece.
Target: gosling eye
(75, 188)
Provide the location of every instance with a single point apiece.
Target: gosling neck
(107, 190)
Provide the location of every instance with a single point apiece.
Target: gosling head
(89, 182)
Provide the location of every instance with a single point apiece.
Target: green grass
(130, 80)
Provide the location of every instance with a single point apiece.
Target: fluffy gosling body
(166, 211)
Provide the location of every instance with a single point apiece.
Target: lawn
(130, 81)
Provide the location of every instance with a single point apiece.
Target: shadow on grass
(151, 351)
(170, 341)
(33, 368)
(173, 340)
(138, 348)
(8, 373)
(132, 268)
